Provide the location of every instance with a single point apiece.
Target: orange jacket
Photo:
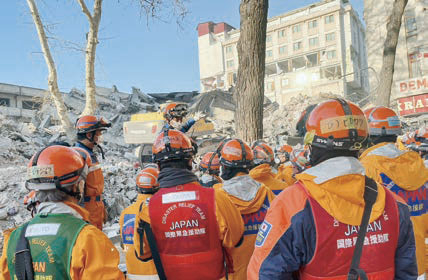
(249, 197)
(263, 174)
(405, 169)
(133, 264)
(285, 173)
(93, 255)
(229, 221)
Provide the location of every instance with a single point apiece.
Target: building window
(270, 86)
(268, 38)
(330, 37)
(282, 50)
(229, 63)
(297, 28)
(312, 24)
(329, 19)
(5, 102)
(313, 41)
(229, 49)
(30, 105)
(331, 54)
(331, 73)
(284, 82)
(281, 33)
(269, 53)
(411, 25)
(297, 46)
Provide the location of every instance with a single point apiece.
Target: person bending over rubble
(89, 136)
(58, 243)
(174, 113)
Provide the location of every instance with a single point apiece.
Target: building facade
(410, 82)
(312, 50)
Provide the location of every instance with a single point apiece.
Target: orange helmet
(382, 121)
(258, 146)
(299, 158)
(172, 144)
(336, 124)
(285, 149)
(236, 153)
(56, 167)
(147, 180)
(87, 124)
(422, 135)
(210, 163)
(175, 110)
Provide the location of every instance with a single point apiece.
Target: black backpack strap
(23, 260)
(370, 195)
(144, 227)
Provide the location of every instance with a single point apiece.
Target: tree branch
(85, 10)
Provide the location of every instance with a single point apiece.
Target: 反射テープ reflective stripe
(142, 277)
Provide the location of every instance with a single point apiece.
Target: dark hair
(176, 163)
(230, 172)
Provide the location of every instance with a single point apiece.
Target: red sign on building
(412, 105)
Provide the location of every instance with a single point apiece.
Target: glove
(199, 115)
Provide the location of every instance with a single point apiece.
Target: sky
(151, 54)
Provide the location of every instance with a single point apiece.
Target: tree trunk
(52, 77)
(387, 72)
(91, 47)
(249, 92)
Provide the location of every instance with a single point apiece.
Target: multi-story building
(315, 49)
(410, 81)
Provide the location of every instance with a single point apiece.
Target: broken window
(298, 63)
(5, 102)
(331, 73)
(270, 69)
(30, 105)
(312, 60)
(284, 66)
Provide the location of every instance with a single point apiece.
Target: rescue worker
(147, 184)
(174, 113)
(89, 136)
(250, 197)
(402, 172)
(193, 227)
(57, 243)
(264, 171)
(283, 154)
(311, 227)
(210, 168)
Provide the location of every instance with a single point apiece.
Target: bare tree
(91, 47)
(52, 77)
(249, 92)
(390, 46)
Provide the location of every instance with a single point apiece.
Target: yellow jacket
(264, 175)
(285, 173)
(250, 198)
(127, 221)
(404, 169)
(93, 255)
(229, 221)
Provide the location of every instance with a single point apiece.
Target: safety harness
(370, 195)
